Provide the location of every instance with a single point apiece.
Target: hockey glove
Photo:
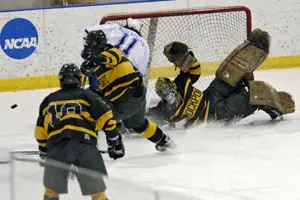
(87, 67)
(86, 53)
(179, 54)
(116, 147)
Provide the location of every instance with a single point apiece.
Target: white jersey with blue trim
(133, 46)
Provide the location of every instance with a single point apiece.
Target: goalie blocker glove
(116, 147)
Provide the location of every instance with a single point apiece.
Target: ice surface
(251, 160)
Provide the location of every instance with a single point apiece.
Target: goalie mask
(166, 89)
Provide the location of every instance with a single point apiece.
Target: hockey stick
(84, 81)
(29, 153)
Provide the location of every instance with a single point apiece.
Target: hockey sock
(99, 196)
(50, 195)
(152, 132)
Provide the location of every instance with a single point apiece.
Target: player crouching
(230, 96)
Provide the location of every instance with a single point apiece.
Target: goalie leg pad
(245, 58)
(240, 63)
(287, 102)
(263, 94)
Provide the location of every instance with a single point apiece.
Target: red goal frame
(170, 13)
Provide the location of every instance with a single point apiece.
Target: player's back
(117, 77)
(133, 46)
(69, 113)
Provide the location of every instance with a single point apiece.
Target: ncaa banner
(19, 38)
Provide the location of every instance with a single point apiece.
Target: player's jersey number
(126, 46)
(67, 108)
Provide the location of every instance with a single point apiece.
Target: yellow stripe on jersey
(186, 87)
(178, 110)
(103, 119)
(87, 116)
(207, 111)
(120, 71)
(119, 95)
(47, 121)
(111, 60)
(150, 131)
(41, 136)
(196, 121)
(195, 69)
(112, 57)
(183, 98)
(75, 128)
(121, 85)
(111, 127)
(40, 133)
(63, 102)
(71, 115)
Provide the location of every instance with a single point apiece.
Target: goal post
(211, 33)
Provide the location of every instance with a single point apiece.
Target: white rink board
(60, 35)
(60, 30)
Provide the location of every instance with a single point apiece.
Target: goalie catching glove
(179, 54)
(116, 147)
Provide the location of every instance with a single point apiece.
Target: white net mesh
(28, 183)
(210, 33)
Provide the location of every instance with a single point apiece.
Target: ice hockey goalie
(232, 95)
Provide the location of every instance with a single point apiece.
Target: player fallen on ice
(115, 78)
(232, 95)
(66, 131)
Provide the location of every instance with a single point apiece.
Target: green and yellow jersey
(74, 114)
(118, 78)
(193, 74)
(194, 105)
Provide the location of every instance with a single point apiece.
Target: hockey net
(211, 33)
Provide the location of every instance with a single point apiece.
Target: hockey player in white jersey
(129, 40)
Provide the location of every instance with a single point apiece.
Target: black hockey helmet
(70, 76)
(96, 38)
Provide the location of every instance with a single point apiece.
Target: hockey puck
(13, 106)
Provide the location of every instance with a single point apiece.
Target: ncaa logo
(19, 38)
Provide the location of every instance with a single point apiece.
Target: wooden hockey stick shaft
(84, 81)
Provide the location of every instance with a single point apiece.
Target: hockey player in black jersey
(230, 96)
(114, 77)
(67, 129)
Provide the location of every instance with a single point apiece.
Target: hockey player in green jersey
(230, 96)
